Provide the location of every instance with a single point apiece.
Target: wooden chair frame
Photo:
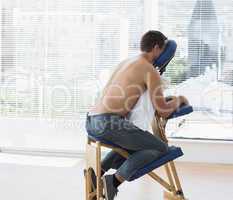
(173, 189)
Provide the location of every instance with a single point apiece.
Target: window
(202, 69)
(56, 56)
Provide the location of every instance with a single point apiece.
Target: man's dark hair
(150, 39)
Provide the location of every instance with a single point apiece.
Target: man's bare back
(132, 77)
(124, 88)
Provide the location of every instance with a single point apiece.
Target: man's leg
(113, 160)
(118, 130)
(145, 146)
(137, 161)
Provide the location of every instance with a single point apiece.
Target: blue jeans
(142, 146)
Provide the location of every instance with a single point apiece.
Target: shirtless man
(108, 118)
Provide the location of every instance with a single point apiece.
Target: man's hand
(183, 100)
(170, 97)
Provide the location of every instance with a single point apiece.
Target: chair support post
(175, 175)
(98, 171)
(158, 126)
(170, 178)
(93, 152)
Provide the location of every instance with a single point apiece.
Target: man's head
(153, 42)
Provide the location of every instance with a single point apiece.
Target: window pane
(202, 69)
(56, 57)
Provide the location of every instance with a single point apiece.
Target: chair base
(171, 196)
(93, 163)
(91, 192)
(93, 153)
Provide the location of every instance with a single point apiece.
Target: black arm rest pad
(182, 110)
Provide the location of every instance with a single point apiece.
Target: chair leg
(93, 162)
(177, 194)
(90, 164)
(99, 189)
(90, 193)
(176, 178)
(171, 196)
(158, 127)
(170, 178)
(86, 185)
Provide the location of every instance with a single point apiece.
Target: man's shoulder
(151, 73)
(142, 64)
(149, 68)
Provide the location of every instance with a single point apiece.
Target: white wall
(43, 178)
(50, 135)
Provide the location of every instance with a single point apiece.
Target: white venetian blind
(56, 56)
(54, 52)
(202, 69)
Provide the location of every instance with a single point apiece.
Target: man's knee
(164, 148)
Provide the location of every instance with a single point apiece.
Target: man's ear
(156, 46)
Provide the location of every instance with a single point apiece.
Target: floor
(39, 178)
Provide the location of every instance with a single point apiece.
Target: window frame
(205, 151)
(209, 151)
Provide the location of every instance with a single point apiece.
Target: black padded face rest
(169, 52)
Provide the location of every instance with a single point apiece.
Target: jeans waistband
(105, 115)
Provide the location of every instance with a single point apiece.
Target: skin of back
(130, 80)
(127, 84)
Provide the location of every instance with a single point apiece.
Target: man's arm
(154, 86)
